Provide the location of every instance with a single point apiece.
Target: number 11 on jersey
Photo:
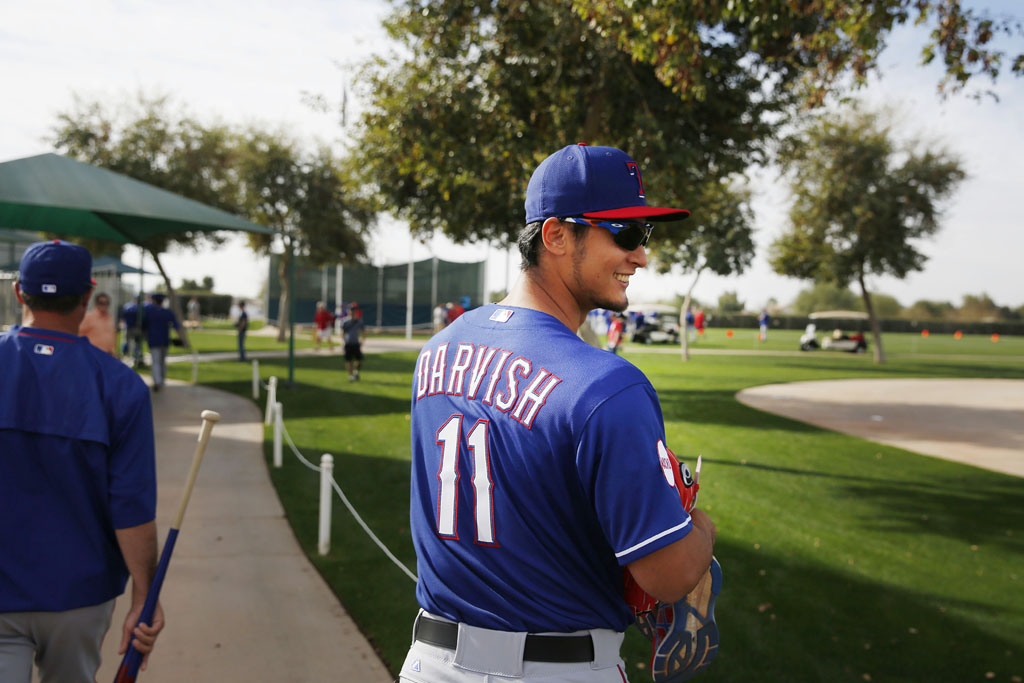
(449, 438)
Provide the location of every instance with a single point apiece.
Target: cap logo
(44, 349)
(634, 170)
(49, 289)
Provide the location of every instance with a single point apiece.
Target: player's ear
(17, 292)
(556, 236)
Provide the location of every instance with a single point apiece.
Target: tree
(261, 175)
(729, 302)
(313, 207)
(861, 201)
(981, 308)
(808, 49)
(145, 141)
(825, 296)
(930, 310)
(482, 93)
(886, 306)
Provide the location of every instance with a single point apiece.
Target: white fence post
(326, 476)
(255, 380)
(278, 429)
(271, 399)
(195, 366)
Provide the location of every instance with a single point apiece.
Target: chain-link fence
(380, 290)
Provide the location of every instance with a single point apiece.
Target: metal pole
(291, 314)
(339, 307)
(323, 284)
(433, 285)
(255, 380)
(326, 476)
(408, 293)
(278, 429)
(380, 296)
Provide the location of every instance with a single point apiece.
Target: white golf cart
(839, 340)
(660, 324)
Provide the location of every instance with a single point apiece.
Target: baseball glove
(683, 635)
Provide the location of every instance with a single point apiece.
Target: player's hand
(145, 634)
(703, 523)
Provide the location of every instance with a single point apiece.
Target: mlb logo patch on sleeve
(502, 315)
(44, 349)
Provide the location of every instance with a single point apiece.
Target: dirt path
(974, 421)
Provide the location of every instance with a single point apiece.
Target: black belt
(560, 649)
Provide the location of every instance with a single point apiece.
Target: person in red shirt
(324, 320)
(615, 326)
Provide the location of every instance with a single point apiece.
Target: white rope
(291, 444)
(351, 509)
(380, 544)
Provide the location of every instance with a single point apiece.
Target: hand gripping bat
(133, 658)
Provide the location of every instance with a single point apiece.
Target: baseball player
(77, 481)
(158, 322)
(540, 472)
(324, 320)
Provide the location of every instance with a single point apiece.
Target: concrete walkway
(242, 601)
(975, 421)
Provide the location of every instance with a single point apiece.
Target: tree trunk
(876, 329)
(282, 302)
(684, 337)
(173, 297)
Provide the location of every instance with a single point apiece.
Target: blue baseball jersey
(76, 463)
(539, 469)
(158, 322)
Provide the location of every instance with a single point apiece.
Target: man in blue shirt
(77, 481)
(539, 465)
(158, 322)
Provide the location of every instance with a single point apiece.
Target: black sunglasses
(629, 236)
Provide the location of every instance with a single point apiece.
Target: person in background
(440, 318)
(77, 481)
(698, 322)
(763, 321)
(615, 329)
(158, 324)
(192, 310)
(242, 325)
(99, 325)
(354, 331)
(323, 319)
(132, 333)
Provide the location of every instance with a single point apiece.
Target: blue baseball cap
(593, 182)
(55, 268)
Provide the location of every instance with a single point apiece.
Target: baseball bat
(129, 669)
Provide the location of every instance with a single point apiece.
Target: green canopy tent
(53, 193)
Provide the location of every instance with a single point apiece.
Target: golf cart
(838, 340)
(655, 323)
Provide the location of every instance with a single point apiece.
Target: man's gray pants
(64, 645)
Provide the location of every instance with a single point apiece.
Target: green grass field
(843, 560)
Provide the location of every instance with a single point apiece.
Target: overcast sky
(251, 61)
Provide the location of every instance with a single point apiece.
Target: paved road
(243, 602)
(975, 421)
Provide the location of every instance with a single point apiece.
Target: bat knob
(211, 415)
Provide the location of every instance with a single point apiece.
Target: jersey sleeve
(625, 467)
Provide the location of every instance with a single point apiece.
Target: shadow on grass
(782, 618)
(787, 620)
(721, 407)
(996, 509)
